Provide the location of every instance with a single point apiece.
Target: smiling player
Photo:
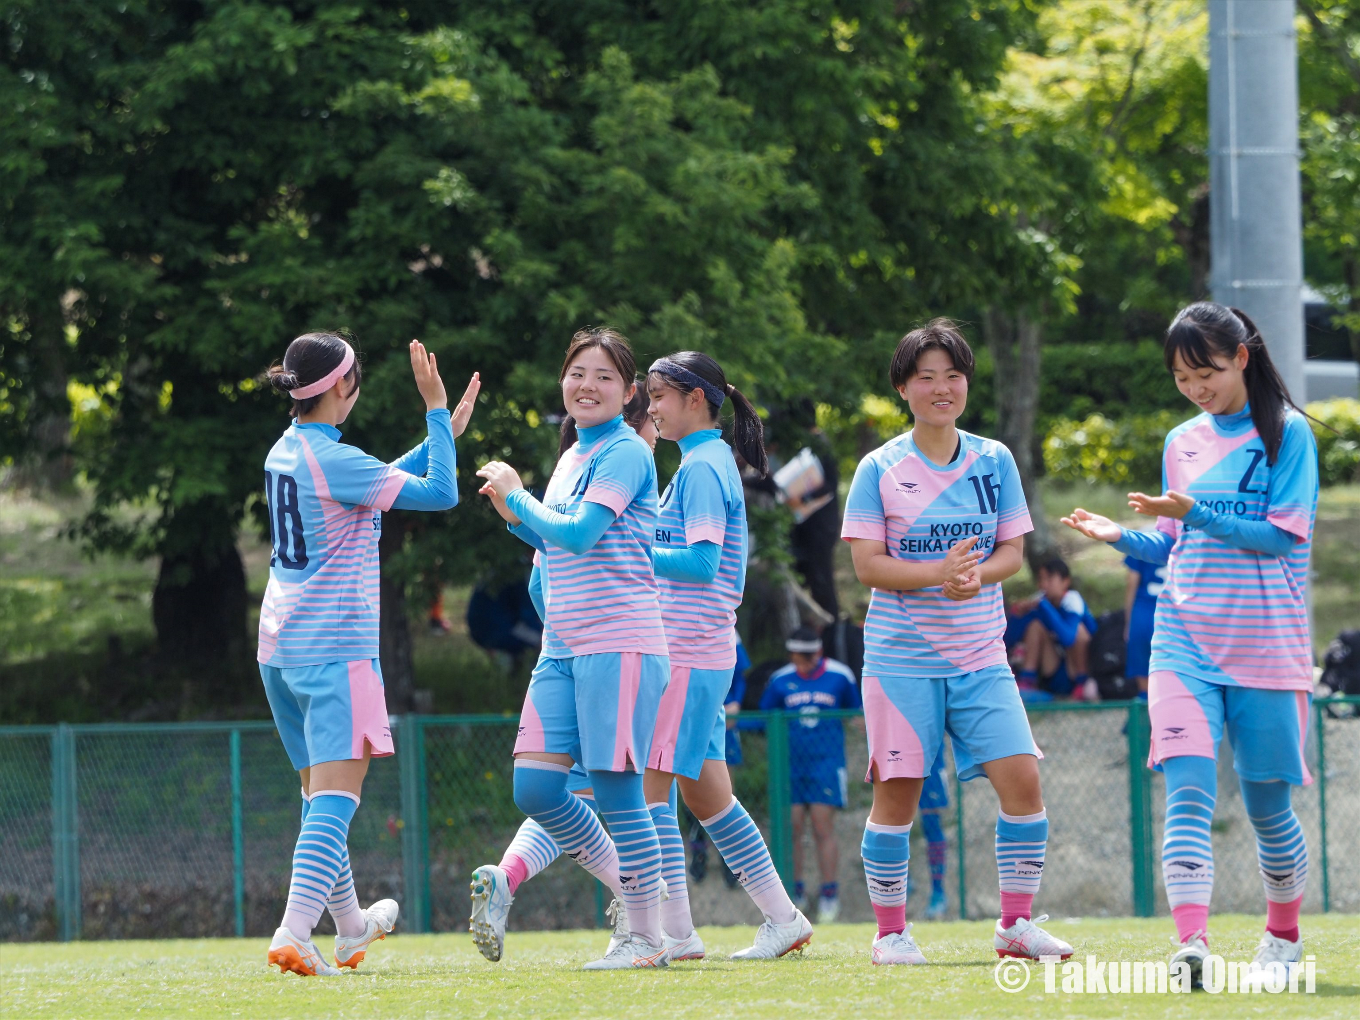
(935, 521)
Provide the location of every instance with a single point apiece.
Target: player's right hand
(1102, 529)
(959, 561)
(426, 370)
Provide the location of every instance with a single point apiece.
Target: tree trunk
(394, 630)
(1014, 341)
(199, 605)
(51, 466)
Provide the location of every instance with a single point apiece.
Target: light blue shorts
(907, 718)
(599, 709)
(1267, 729)
(328, 712)
(691, 725)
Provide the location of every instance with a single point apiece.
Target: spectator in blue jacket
(1056, 629)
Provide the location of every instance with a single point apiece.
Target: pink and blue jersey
(919, 509)
(325, 502)
(704, 503)
(1229, 615)
(605, 599)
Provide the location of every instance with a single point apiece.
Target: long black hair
(310, 357)
(1206, 330)
(633, 412)
(748, 433)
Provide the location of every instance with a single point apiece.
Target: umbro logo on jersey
(1187, 865)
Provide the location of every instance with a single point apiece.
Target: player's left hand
(964, 586)
(1173, 504)
(500, 477)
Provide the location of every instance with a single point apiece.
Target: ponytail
(1205, 330)
(309, 360)
(687, 371)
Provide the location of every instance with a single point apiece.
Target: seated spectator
(808, 685)
(1145, 582)
(1055, 627)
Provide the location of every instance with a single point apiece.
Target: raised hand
(1171, 504)
(1102, 529)
(426, 370)
(462, 414)
(501, 479)
(498, 501)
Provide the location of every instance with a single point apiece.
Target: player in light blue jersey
(318, 646)
(936, 519)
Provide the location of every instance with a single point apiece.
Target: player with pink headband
(699, 554)
(936, 520)
(594, 694)
(1231, 648)
(318, 644)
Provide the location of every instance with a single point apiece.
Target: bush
(1123, 451)
(1339, 450)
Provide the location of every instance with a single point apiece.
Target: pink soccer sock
(1282, 919)
(1014, 906)
(1193, 919)
(890, 919)
(516, 871)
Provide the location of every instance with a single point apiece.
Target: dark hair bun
(283, 380)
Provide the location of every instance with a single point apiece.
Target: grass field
(442, 975)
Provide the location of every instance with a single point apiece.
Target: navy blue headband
(674, 370)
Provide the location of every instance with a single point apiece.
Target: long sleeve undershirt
(697, 563)
(1253, 536)
(576, 533)
(437, 461)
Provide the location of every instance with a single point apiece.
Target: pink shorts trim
(1303, 706)
(893, 744)
(368, 707)
(668, 717)
(1179, 726)
(530, 738)
(630, 679)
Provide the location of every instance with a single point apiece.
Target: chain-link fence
(122, 831)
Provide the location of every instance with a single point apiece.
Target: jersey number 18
(285, 522)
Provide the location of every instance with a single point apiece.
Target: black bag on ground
(1107, 658)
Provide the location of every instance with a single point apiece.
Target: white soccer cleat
(828, 909)
(300, 956)
(1193, 951)
(776, 940)
(1272, 950)
(617, 914)
(1027, 941)
(633, 953)
(379, 919)
(691, 947)
(491, 899)
(896, 947)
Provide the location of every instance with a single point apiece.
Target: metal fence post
(1322, 802)
(963, 846)
(238, 843)
(65, 834)
(781, 826)
(1140, 810)
(415, 834)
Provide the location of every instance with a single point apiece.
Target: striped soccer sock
(1283, 854)
(885, 850)
(1187, 851)
(1021, 842)
(343, 902)
(676, 920)
(541, 793)
(937, 848)
(319, 855)
(625, 810)
(743, 848)
(532, 850)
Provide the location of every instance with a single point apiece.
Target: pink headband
(327, 381)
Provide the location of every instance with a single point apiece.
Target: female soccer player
(594, 694)
(1230, 647)
(935, 521)
(318, 646)
(494, 886)
(699, 555)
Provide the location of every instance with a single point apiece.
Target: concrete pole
(1255, 223)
